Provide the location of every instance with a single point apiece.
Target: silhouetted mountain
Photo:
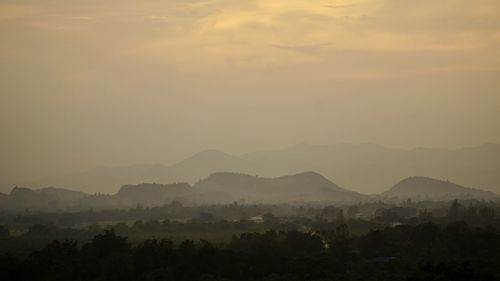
(307, 186)
(52, 198)
(371, 168)
(434, 189)
(24, 198)
(215, 158)
(228, 187)
(203, 164)
(152, 193)
(109, 179)
(365, 168)
(63, 194)
(6, 185)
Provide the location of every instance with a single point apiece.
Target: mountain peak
(309, 174)
(308, 186)
(211, 153)
(17, 190)
(216, 175)
(426, 187)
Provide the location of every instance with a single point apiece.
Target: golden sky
(96, 82)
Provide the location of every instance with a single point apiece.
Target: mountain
(370, 168)
(51, 198)
(6, 185)
(63, 194)
(109, 179)
(217, 188)
(207, 162)
(21, 198)
(152, 193)
(434, 189)
(300, 187)
(366, 168)
(228, 187)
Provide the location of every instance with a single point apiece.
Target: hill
(63, 194)
(434, 189)
(366, 168)
(152, 193)
(51, 198)
(110, 179)
(369, 168)
(300, 187)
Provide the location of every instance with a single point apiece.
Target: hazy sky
(96, 82)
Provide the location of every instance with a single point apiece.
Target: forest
(293, 243)
(454, 251)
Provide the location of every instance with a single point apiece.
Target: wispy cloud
(310, 48)
(13, 10)
(201, 34)
(84, 18)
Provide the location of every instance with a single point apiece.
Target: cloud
(199, 35)
(11, 11)
(97, 79)
(84, 18)
(340, 6)
(437, 17)
(310, 48)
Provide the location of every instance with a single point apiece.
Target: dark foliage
(454, 251)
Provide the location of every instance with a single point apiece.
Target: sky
(107, 82)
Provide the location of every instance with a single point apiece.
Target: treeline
(24, 234)
(463, 210)
(454, 251)
(219, 232)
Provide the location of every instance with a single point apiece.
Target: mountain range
(228, 187)
(364, 168)
(302, 187)
(424, 188)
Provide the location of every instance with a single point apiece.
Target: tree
(268, 218)
(4, 232)
(454, 211)
(104, 244)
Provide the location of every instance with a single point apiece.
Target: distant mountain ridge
(433, 189)
(229, 187)
(365, 168)
(45, 198)
(221, 187)
(370, 168)
(152, 193)
(51, 198)
(307, 186)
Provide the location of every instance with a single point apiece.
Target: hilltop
(307, 186)
(434, 189)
